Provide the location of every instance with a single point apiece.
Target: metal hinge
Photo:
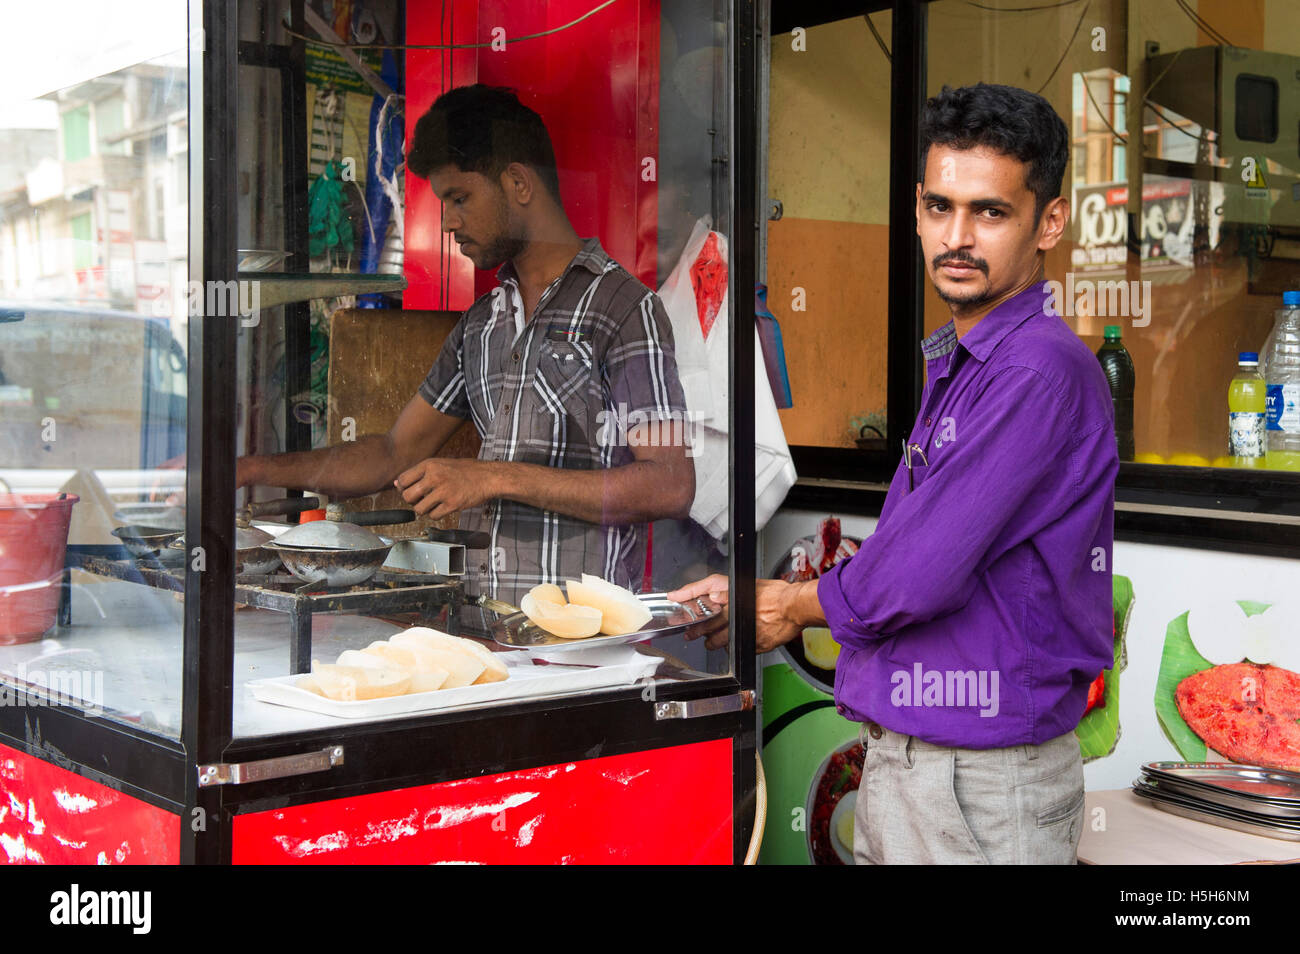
(241, 773)
(742, 701)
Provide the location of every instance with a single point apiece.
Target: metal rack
(389, 592)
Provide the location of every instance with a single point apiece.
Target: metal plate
(1251, 781)
(519, 632)
(1222, 798)
(1212, 815)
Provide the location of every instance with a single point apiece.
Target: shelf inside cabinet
(282, 288)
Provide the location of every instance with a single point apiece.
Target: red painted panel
(663, 806)
(596, 86)
(51, 815)
(438, 275)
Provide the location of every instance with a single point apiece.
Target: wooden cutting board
(378, 357)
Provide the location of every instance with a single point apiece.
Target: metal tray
(1223, 798)
(1247, 781)
(519, 632)
(1213, 815)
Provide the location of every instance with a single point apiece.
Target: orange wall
(836, 349)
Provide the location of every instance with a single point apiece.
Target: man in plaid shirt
(566, 369)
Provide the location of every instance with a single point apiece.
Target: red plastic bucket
(33, 543)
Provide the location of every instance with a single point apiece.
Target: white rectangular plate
(526, 681)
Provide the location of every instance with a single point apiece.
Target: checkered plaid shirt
(559, 391)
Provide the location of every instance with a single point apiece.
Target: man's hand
(782, 610)
(713, 629)
(441, 485)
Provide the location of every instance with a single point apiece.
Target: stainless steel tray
(519, 632)
(1215, 815)
(1223, 798)
(1247, 781)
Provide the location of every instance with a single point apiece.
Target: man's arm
(924, 562)
(358, 467)
(658, 483)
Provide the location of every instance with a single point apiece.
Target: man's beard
(969, 297)
(501, 249)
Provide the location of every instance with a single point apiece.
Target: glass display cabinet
(237, 334)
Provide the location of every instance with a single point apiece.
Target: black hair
(1011, 121)
(482, 129)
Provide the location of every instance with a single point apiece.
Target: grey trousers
(929, 804)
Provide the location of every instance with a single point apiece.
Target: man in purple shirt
(977, 614)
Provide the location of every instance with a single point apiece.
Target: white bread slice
(463, 667)
(566, 620)
(357, 683)
(426, 674)
(494, 670)
(359, 657)
(309, 683)
(547, 591)
(621, 612)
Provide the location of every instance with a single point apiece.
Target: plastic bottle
(1118, 365)
(1282, 357)
(1247, 406)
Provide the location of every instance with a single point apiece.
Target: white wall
(1167, 581)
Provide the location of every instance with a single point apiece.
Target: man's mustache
(961, 259)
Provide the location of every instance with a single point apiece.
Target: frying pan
(337, 551)
(145, 542)
(251, 554)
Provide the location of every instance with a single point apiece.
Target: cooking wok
(251, 554)
(337, 551)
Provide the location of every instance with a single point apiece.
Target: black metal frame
(838, 474)
(420, 750)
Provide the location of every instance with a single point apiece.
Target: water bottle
(1247, 413)
(1118, 365)
(1282, 378)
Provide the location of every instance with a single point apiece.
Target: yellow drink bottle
(1247, 413)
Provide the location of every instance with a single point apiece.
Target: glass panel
(560, 446)
(93, 266)
(828, 254)
(1185, 126)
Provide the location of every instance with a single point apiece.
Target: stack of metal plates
(1248, 798)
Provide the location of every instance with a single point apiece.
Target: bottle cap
(1248, 357)
(1112, 331)
(1290, 298)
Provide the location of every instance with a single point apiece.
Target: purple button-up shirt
(979, 611)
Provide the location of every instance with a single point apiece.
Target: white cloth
(702, 366)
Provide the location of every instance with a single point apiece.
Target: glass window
(481, 327)
(110, 124)
(1194, 144)
(828, 254)
(76, 133)
(92, 372)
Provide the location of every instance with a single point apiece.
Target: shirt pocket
(914, 480)
(558, 424)
(562, 377)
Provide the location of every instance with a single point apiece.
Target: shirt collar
(591, 257)
(989, 331)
